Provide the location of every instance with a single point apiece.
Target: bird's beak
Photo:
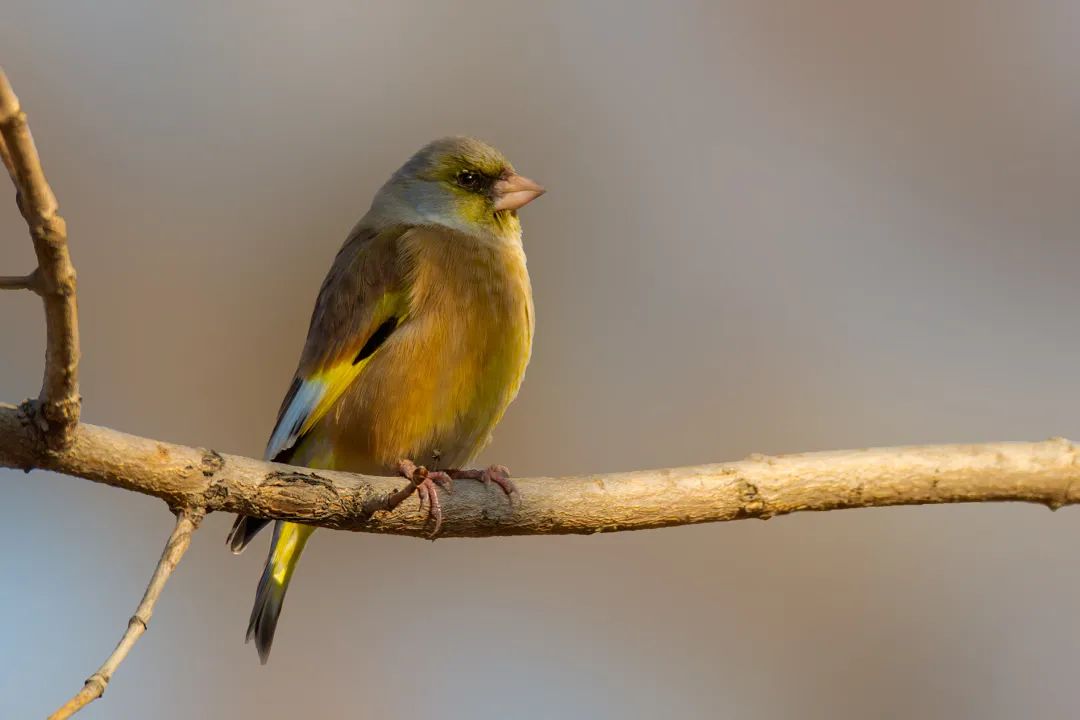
(515, 191)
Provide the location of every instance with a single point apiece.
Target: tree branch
(175, 547)
(1047, 473)
(57, 409)
(19, 282)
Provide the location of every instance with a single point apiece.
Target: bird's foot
(491, 475)
(426, 483)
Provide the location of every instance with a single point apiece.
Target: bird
(418, 343)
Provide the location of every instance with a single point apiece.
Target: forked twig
(177, 545)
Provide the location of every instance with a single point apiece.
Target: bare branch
(20, 282)
(57, 409)
(1043, 472)
(175, 547)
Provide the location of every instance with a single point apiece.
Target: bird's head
(460, 183)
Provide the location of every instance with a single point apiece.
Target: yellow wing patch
(317, 392)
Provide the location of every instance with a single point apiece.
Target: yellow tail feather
(288, 544)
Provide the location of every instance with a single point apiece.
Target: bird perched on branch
(417, 344)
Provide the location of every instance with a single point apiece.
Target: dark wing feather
(363, 299)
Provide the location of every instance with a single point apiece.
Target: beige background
(772, 227)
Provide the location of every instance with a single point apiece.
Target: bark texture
(759, 487)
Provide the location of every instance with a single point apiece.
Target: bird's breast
(447, 374)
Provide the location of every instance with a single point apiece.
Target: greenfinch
(417, 344)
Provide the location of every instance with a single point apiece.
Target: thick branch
(57, 409)
(175, 547)
(1047, 473)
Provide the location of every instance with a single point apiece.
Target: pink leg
(426, 485)
(491, 475)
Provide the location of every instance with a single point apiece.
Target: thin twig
(19, 282)
(57, 409)
(177, 545)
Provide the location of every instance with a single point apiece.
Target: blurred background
(771, 227)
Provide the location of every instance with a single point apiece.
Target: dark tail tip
(264, 615)
(243, 530)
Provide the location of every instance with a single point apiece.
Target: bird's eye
(469, 179)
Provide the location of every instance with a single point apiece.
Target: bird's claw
(426, 484)
(425, 489)
(491, 475)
